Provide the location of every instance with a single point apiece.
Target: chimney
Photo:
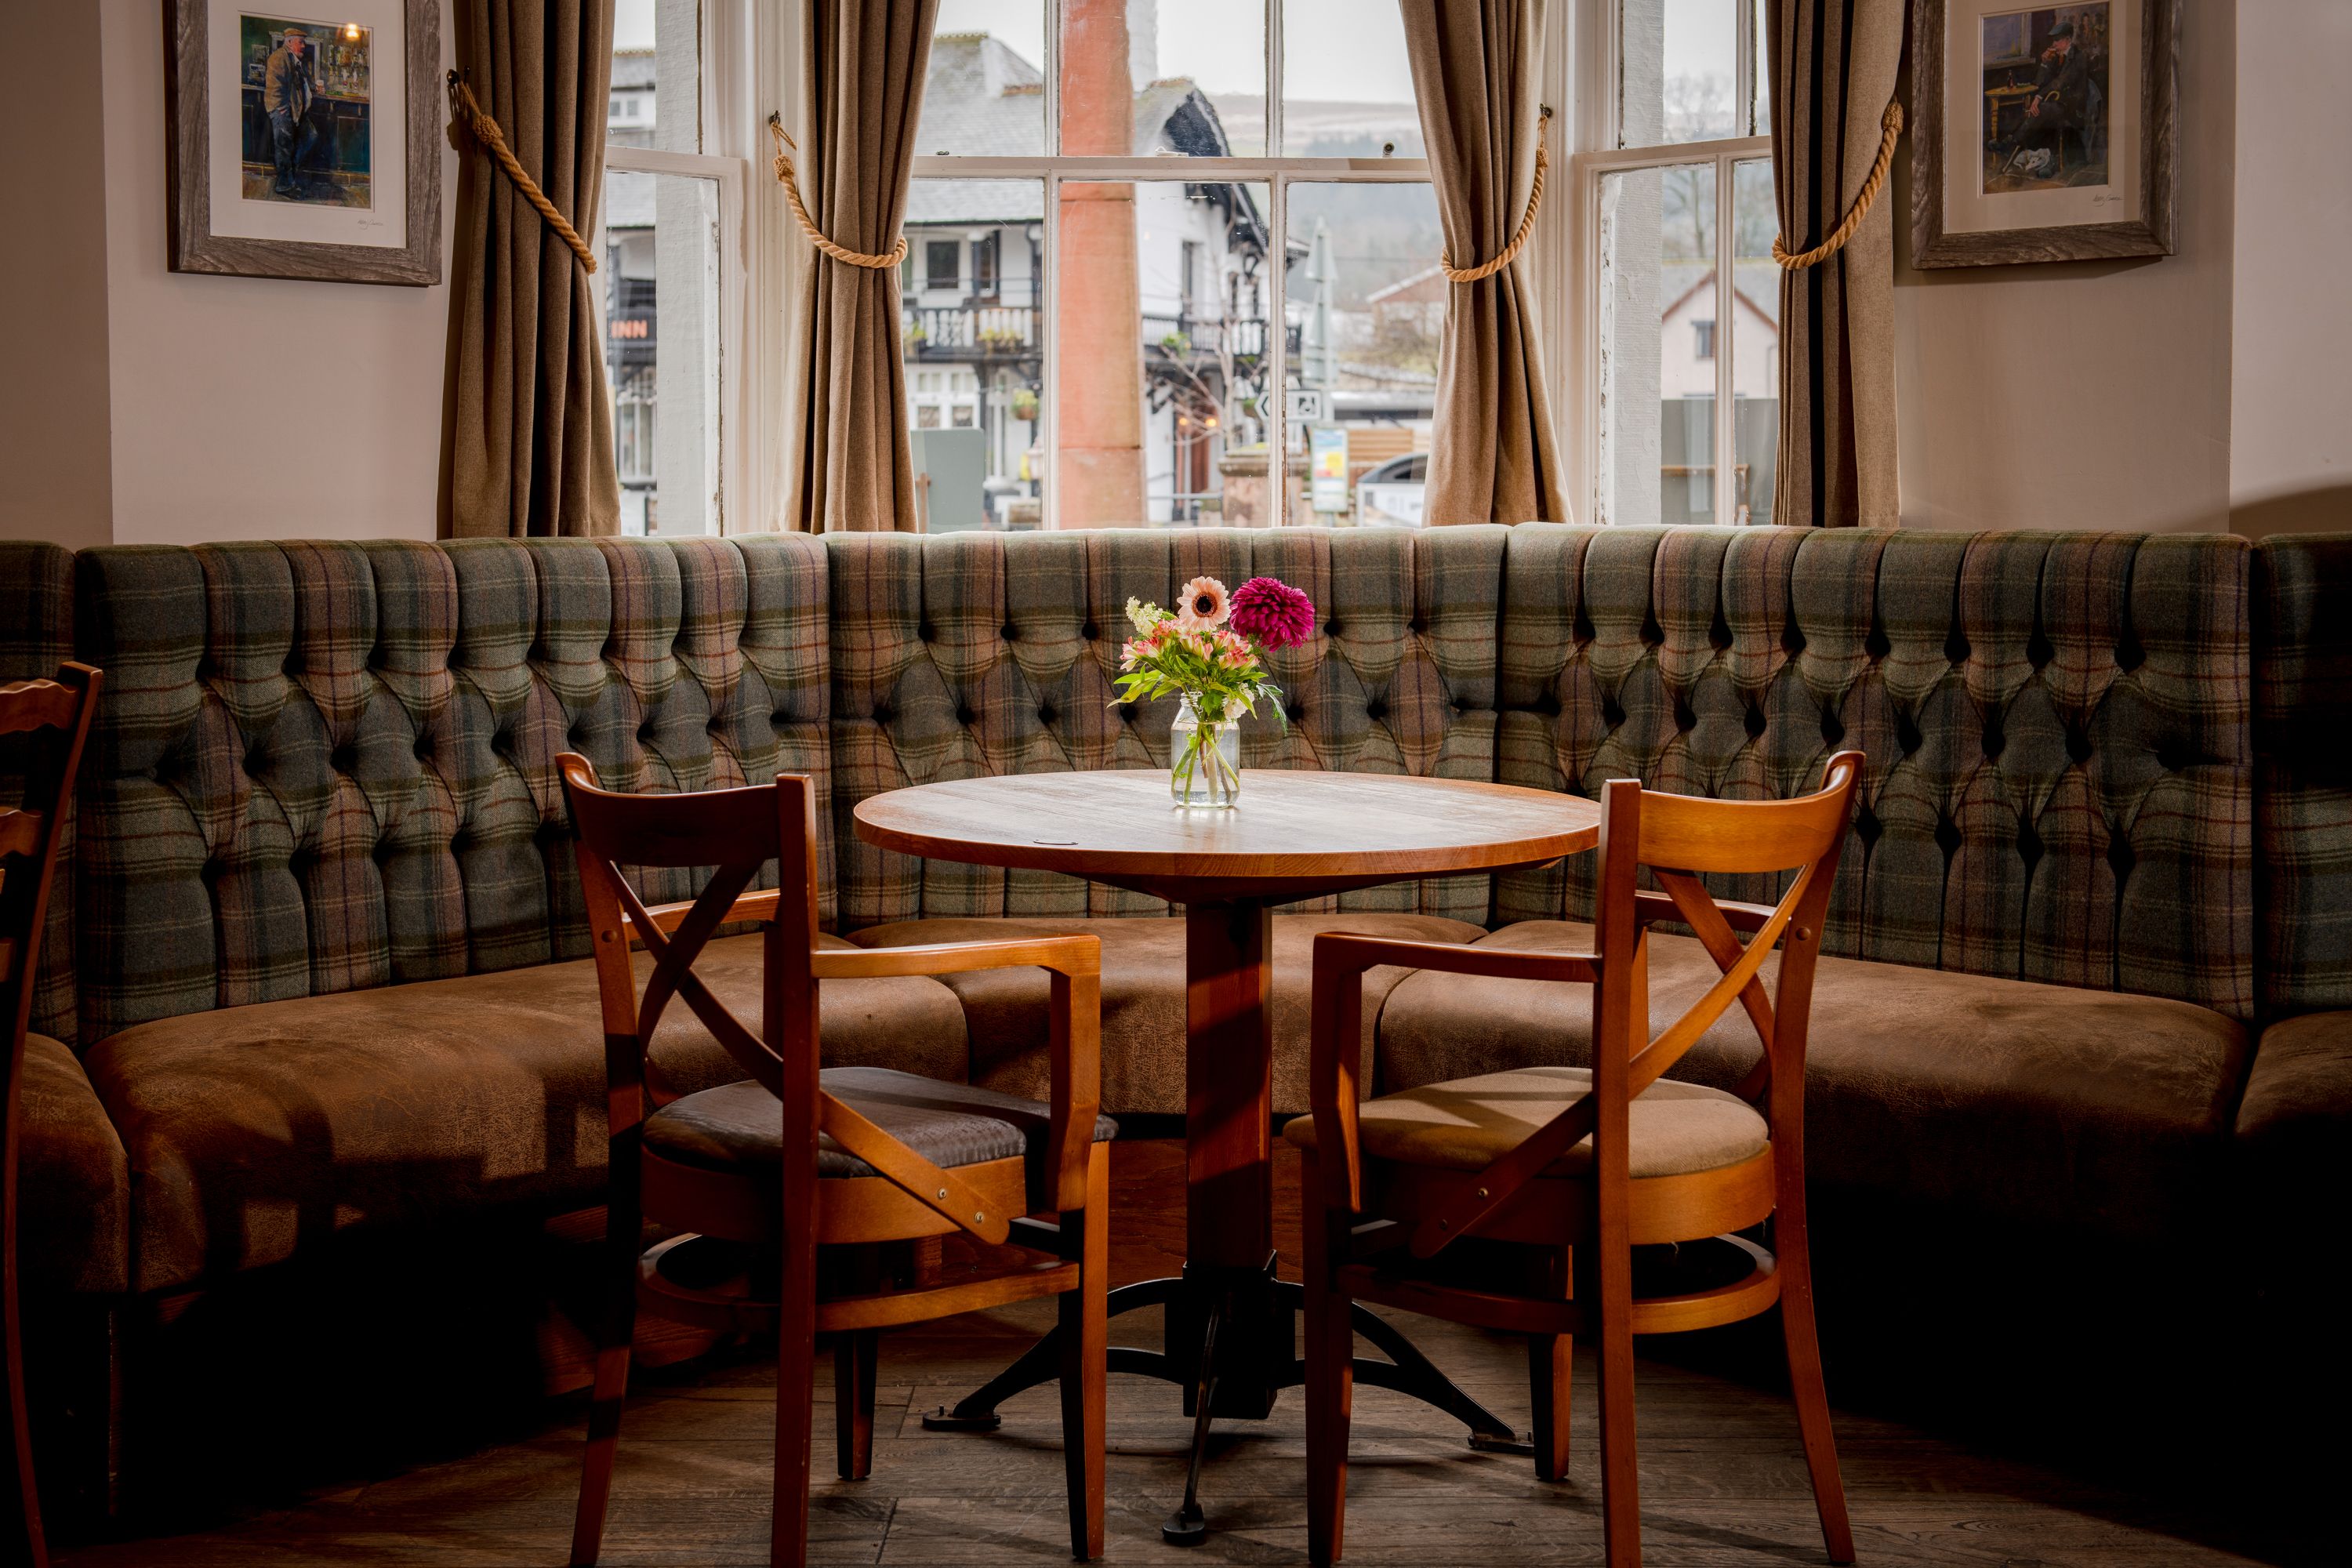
(1142, 42)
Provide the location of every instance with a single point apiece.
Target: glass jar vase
(1204, 759)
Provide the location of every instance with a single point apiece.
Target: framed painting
(2042, 132)
(303, 145)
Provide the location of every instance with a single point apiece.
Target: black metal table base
(1230, 1346)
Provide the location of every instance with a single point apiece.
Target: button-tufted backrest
(976, 653)
(2058, 727)
(36, 636)
(2303, 737)
(326, 766)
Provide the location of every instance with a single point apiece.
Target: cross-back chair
(1514, 1201)
(58, 712)
(822, 1179)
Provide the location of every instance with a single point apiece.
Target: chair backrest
(60, 710)
(1678, 840)
(734, 833)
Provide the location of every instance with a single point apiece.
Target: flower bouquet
(1208, 654)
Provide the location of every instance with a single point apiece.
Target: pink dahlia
(1274, 612)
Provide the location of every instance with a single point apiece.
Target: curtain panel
(849, 467)
(1493, 458)
(1834, 64)
(528, 421)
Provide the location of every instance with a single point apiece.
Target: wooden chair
(1536, 1186)
(823, 1180)
(29, 835)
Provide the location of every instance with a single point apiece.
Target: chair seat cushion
(1676, 1129)
(1143, 999)
(1999, 1099)
(738, 1128)
(73, 1184)
(253, 1132)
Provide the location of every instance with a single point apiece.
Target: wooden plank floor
(1723, 1479)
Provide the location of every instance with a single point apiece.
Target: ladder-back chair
(1514, 1201)
(822, 1179)
(58, 712)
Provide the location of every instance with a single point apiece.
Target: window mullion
(1275, 402)
(1274, 143)
(1743, 69)
(1725, 304)
(1049, 336)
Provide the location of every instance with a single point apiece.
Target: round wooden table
(1295, 834)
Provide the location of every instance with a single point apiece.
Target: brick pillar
(1100, 324)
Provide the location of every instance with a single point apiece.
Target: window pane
(1367, 306)
(1657, 395)
(661, 347)
(975, 361)
(656, 65)
(1162, 338)
(1754, 342)
(1347, 90)
(1139, 79)
(1677, 71)
(985, 92)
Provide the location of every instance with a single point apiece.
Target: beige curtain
(1832, 70)
(527, 439)
(849, 467)
(1473, 68)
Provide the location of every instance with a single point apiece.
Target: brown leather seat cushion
(1143, 1000)
(738, 1127)
(73, 1184)
(255, 1131)
(1467, 1124)
(2000, 1097)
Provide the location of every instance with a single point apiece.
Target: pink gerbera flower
(1274, 612)
(1202, 604)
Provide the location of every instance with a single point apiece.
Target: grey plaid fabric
(983, 654)
(2303, 743)
(322, 767)
(36, 636)
(2060, 778)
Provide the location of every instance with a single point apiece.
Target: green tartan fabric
(324, 767)
(2057, 727)
(2302, 746)
(981, 654)
(36, 636)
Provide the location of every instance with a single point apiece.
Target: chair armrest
(1344, 951)
(1070, 955)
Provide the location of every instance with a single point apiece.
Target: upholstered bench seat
(2001, 1098)
(255, 1132)
(1674, 1128)
(1143, 999)
(73, 1184)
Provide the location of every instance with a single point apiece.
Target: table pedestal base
(1230, 1344)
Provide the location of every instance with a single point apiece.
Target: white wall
(247, 407)
(2097, 394)
(2291, 394)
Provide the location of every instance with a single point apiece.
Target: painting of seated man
(2046, 105)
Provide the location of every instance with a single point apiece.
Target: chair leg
(1550, 1360)
(1331, 1375)
(618, 1312)
(1805, 1384)
(796, 1395)
(22, 1541)
(1086, 1341)
(853, 1359)
(1620, 1499)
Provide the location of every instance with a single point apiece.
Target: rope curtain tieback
(785, 147)
(465, 110)
(1527, 224)
(1891, 124)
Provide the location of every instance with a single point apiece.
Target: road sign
(1310, 405)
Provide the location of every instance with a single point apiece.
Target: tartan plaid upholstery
(36, 636)
(322, 767)
(2302, 746)
(979, 654)
(2060, 778)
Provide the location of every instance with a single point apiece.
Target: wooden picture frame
(336, 196)
(1957, 213)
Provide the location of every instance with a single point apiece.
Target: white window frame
(1599, 84)
(725, 26)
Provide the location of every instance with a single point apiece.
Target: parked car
(1390, 495)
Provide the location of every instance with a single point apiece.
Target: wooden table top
(1295, 832)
